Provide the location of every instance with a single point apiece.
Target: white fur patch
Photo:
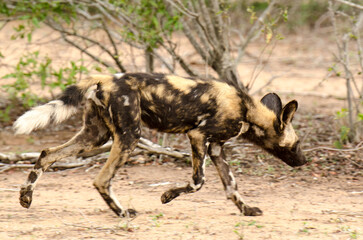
(115, 200)
(216, 150)
(119, 75)
(92, 96)
(127, 100)
(244, 128)
(203, 123)
(41, 116)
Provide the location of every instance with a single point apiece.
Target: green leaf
(338, 145)
(29, 36)
(285, 15)
(35, 21)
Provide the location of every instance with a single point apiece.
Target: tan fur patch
(93, 80)
(258, 131)
(204, 98)
(146, 93)
(106, 81)
(229, 103)
(160, 90)
(196, 136)
(289, 137)
(182, 84)
(260, 115)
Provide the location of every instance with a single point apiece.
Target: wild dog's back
(175, 104)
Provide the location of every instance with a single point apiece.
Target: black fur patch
(32, 177)
(72, 96)
(273, 102)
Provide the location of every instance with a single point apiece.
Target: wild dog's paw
(251, 211)
(168, 196)
(26, 196)
(131, 213)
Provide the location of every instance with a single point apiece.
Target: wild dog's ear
(273, 102)
(288, 112)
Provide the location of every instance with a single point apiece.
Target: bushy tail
(59, 110)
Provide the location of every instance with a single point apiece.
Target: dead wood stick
(146, 145)
(6, 167)
(14, 157)
(358, 147)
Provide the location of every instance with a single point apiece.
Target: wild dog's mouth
(291, 156)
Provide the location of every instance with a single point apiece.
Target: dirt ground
(66, 206)
(297, 204)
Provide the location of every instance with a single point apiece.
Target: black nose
(297, 162)
(294, 158)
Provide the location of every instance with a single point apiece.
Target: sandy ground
(66, 206)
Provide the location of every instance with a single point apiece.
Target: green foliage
(30, 69)
(306, 13)
(5, 114)
(151, 19)
(345, 131)
(36, 12)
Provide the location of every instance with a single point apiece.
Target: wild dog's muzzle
(293, 157)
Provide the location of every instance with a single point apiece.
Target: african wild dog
(209, 111)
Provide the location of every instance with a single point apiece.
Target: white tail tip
(41, 116)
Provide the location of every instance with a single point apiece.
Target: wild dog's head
(279, 138)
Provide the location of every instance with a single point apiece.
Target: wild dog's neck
(260, 115)
(258, 118)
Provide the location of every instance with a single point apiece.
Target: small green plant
(306, 228)
(4, 114)
(353, 234)
(155, 219)
(239, 230)
(240, 225)
(32, 69)
(344, 131)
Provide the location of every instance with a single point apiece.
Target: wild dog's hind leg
(118, 156)
(94, 133)
(216, 153)
(126, 120)
(199, 150)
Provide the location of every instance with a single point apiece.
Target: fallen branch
(6, 167)
(15, 157)
(148, 147)
(358, 147)
(350, 4)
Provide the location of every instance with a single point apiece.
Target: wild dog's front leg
(118, 156)
(216, 153)
(199, 149)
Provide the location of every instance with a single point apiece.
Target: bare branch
(116, 55)
(251, 33)
(145, 144)
(181, 8)
(350, 4)
(179, 59)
